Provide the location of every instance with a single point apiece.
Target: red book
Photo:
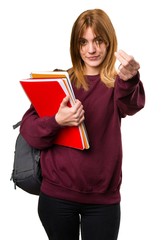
(46, 94)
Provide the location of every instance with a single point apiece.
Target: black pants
(63, 220)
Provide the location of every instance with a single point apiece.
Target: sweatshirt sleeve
(129, 95)
(39, 132)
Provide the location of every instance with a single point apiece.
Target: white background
(35, 35)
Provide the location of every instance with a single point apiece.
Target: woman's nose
(91, 48)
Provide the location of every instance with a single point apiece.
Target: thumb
(65, 101)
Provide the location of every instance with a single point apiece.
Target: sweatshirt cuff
(130, 82)
(52, 124)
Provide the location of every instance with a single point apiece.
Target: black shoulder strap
(16, 125)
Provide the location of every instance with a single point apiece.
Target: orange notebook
(46, 94)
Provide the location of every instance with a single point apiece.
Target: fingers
(78, 113)
(65, 101)
(128, 66)
(125, 59)
(70, 116)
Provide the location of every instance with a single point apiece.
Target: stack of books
(46, 90)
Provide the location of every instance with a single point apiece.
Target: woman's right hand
(70, 116)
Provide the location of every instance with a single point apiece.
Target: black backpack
(26, 172)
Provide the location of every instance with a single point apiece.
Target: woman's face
(93, 51)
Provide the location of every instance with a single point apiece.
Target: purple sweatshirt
(87, 176)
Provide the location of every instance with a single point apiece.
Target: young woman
(86, 184)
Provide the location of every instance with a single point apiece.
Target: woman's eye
(98, 40)
(83, 42)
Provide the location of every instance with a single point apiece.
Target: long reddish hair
(102, 26)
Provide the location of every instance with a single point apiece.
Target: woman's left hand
(128, 67)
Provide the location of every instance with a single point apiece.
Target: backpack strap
(16, 125)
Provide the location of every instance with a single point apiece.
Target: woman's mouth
(93, 58)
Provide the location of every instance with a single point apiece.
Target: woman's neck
(91, 71)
